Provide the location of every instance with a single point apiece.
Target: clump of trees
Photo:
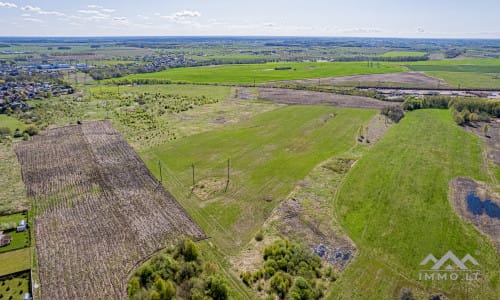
(464, 110)
(394, 113)
(290, 271)
(179, 272)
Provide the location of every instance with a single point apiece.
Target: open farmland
(391, 79)
(269, 154)
(98, 211)
(468, 73)
(265, 72)
(403, 54)
(394, 205)
(299, 97)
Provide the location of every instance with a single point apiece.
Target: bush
(280, 283)
(301, 290)
(246, 277)
(259, 236)
(189, 250)
(5, 131)
(406, 294)
(394, 113)
(31, 130)
(216, 288)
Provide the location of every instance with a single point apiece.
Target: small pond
(479, 207)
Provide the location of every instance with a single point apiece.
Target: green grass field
(468, 80)
(403, 54)
(266, 72)
(14, 288)
(394, 205)
(8, 224)
(11, 123)
(464, 73)
(269, 155)
(15, 261)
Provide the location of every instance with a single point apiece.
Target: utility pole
(228, 170)
(192, 167)
(161, 176)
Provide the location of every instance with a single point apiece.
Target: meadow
(11, 123)
(468, 79)
(394, 205)
(463, 73)
(266, 72)
(15, 261)
(268, 155)
(403, 54)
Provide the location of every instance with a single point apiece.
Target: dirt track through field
(99, 211)
(301, 97)
(414, 78)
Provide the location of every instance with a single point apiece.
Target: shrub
(246, 277)
(31, 130)
(259, 236)
(394, 113)
(216, 288)
(5, 131)
(301, 290)
(133, 286)
(406, 294)
(280, 283)
(189, 250)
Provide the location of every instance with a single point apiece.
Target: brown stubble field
(98, 211)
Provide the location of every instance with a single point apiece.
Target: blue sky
(383, 18)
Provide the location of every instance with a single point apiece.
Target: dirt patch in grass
(301, 97)
(414, 78)
(206, 188)
(491, 138)
(459, 191)
(246, 93)
(307, 214)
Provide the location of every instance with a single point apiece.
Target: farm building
(4, 239)
(22, 226)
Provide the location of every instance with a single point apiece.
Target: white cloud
(270, 24)
(40, 11)
(108, 10)
(34, 20)
(94, 6)
(8, 5)
(121, 19)
(360, 30)
(183, 16)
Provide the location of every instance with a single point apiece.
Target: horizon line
(243, 36)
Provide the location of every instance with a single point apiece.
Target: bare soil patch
(98, 211)
(414, 78)
(205, 188)
(459, 189)
(245, 93)
(301, 97)
(492, 137)
(307, 214)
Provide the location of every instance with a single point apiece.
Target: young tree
(486, 127)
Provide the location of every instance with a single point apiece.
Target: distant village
(14, 94)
